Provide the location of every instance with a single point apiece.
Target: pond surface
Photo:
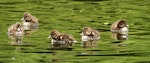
(70, 16)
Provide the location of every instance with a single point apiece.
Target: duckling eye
(25, 16)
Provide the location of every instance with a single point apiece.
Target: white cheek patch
(123, 30)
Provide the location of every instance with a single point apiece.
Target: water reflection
(17, 48)
(115, 54)
(57, 45)
(119, 36)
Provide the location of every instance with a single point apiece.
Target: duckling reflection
(120, 36)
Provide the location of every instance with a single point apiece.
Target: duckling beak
(22, 19)
(49, 37)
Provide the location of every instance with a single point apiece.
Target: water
(69, 16)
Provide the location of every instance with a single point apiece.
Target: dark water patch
(43, 14)
(98, 50)
(10, 3)
(36, 1)
(111, 11)
(30, 45)
(76, 10)
(61, 48)
(117, 42)
(100, 17)
(78, 43)
(90, 0)
(145, 18)
(92, 3)
(141, 34)
(141, 38)
(65, 2)
(15, 10)
(44, 8)
(134, 9)
(126, 51)
(40, 9)
(42, 60)
(7, 7)
(138, 29)
(36, 52)
(44, 22)
(103, 30)
(105, 19)
(6, 47)
(139, 3)
(119, 54)
(143, 62)
(12, 20)
(65, 19)
(57, 60)
(122, 45)
(91, 21)
(70, 28)
(5, 56)
(137, 23)
(5, 61)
